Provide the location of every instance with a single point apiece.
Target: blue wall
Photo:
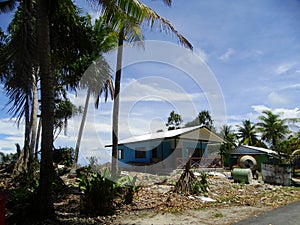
(164, 149)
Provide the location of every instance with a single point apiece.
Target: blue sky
(250, 48)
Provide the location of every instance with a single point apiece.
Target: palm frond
(133, 12)
(7, 6)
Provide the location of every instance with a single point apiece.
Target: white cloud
(284, 112)
(291, 86)
(11, 135)
(284, 68)
(228, 54)
(276, 99)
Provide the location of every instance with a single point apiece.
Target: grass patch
(218, 215)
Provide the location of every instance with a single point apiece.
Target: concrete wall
(277, 174)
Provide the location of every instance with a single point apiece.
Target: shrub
(99, 194)
(100, 191)
(200, 185)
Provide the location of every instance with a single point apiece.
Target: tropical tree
(273, 129)
(174, 121)
(19, 71)
(45, 207)
(97, 78)
(247, 133)
(204, 118)
(127, 16)
(230, 136)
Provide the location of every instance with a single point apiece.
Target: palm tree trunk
(34, 112)
(33, 122)
(36, 151)
(79, 137)
(115, 127)
(45, 207)
(27, 134)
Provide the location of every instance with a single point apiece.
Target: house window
(154, 152)
(140, 152)
(121, 154)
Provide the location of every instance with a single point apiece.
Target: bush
(128, 184)
(99, 194)
(200, 186)
(100, 191)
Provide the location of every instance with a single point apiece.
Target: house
(261, 155)
(171, 149)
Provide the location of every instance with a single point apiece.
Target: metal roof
(167, 134)
(259, 149)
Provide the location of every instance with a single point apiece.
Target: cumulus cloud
(284, 112)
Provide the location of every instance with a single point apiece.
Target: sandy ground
(211, 216)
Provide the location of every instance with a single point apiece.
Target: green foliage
(218, 215)
(7, 158)
(203, 118)
(99, 194)
(273, 128)
(174, 121)
(25, 194)
(63, 156)
(128, 183)
(100, 191)
(201, 185)
(247, 133)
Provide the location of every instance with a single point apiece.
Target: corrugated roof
(163, 135)
(265, 150)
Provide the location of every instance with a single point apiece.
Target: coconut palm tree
(127, 16)
(45, 202)
(19, 78)
(97, 78)
(273, 129)
(230, 136)
(247, 133)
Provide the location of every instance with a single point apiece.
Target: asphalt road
(285, 215)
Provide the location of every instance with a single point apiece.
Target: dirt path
(211, 216)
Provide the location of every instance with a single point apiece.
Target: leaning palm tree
(127, 16)
(97, 78)
(247, 133)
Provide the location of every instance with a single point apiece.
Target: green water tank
(242, 175)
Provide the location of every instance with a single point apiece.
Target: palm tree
(97, 81)
(272, 128)
(247, 133)
(97, 78)
(127, 16)
(229, 135)
(45, 202)
(20, 75)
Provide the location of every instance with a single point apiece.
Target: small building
(171, 149)
(261, 155)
